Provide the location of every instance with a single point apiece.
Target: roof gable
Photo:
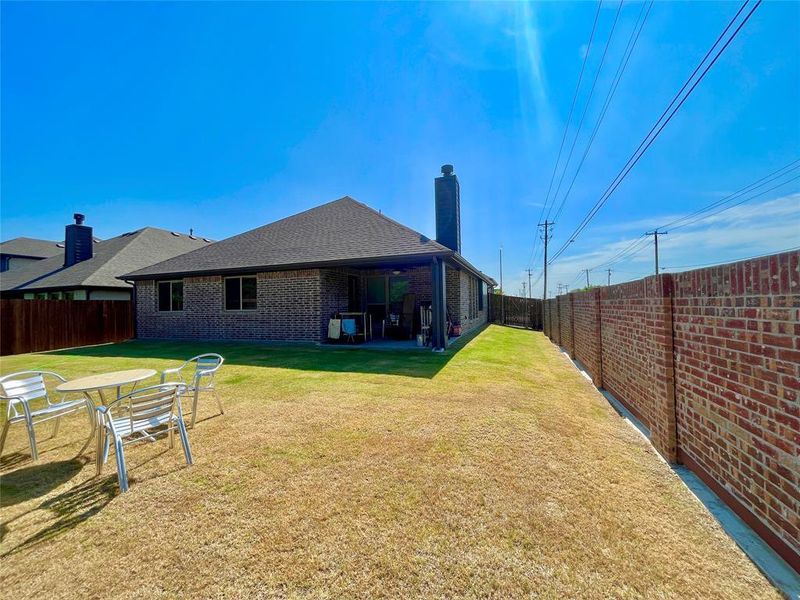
(112, 258)
(31, 247)
(342, 230)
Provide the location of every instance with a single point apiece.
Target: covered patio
(399, 304)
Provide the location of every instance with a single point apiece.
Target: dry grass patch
(494, 471)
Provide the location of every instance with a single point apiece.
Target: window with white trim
(241, 293)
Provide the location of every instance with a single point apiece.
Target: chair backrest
(206, 365)
(425, 316)
(154, 402)
(25, 386)
(349, 326)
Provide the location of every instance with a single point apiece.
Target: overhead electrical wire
(659, 126)
(586, 106)
(732, 261)
(569, 119)
(626, 56)
(638, 244)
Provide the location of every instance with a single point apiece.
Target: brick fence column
(598, 337)
(572, 325)
(663, 428)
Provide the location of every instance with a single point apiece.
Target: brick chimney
(448, 209)
(77, 242)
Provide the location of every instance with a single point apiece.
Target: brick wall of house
(737, 349)
(288, 308)
(565, 323)
(709, 360)
(468, 313)
(586, 331)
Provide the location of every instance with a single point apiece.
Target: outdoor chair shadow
(36, 480)
(70, 508)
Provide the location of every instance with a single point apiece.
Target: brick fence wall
(709, 360)
(586, 329)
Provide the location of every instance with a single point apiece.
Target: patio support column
(438, 306)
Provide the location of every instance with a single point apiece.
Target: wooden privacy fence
(38, 325)
(516, 311)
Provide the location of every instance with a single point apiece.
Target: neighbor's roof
(31, 248)
(112, 258)
(341, 231)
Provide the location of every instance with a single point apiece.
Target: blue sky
(223, 117)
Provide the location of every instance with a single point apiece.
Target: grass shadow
(303, 357)
(70, 508)
(36, 480)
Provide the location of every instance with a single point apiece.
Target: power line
(626, 56)
(569, 119)
(759, 194)
(636, 246)
(731, 261)
(586, 105)
(651, 137)
(756, 184)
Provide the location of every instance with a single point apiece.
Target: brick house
(285, 280)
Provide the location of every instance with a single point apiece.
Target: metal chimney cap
(447, 169)
(79, 218)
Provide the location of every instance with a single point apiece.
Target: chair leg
(55, 427)
(194, 407)
(106, 448)
(32, 439)
(3, 435)
(187, 450)
(102, 445)
(92, 426)
(219, 401)
(171, 436)
(122, 471)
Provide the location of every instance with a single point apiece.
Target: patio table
(99, 383)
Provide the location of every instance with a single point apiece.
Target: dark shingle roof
(342, 230)
(112, 258)
(30, 247)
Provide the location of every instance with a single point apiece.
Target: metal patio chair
(202, 380)
(139, 416)
(23, 391)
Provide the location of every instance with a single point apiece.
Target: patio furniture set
(121, 419)
(348, 326)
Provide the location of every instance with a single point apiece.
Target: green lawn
(492, 470)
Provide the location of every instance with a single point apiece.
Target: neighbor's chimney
(77, 242)
(448, 209)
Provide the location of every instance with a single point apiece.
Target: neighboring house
(21, 252)
(88, 269)
(285, 280)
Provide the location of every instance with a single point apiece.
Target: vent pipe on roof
(448, 209)
(77, 241)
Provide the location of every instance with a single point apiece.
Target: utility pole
(502, 294)
(609, 276)
(530, 288)
(523, 290)
(587, 277)
(655, 233)
(547, 229)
